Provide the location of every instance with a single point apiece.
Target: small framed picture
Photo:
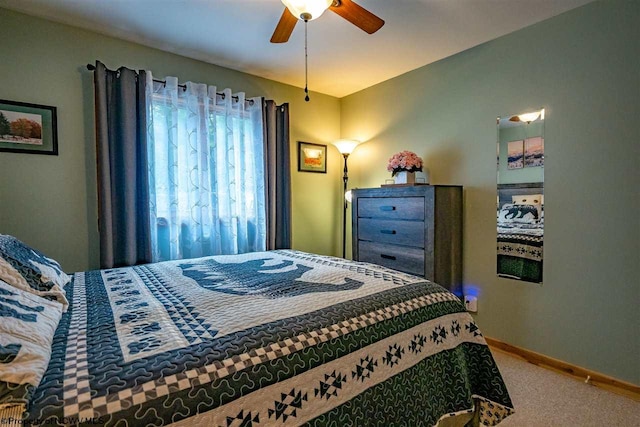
(312, 157)
(28, 128)
(515, 152)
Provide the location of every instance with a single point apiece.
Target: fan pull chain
(306, 67)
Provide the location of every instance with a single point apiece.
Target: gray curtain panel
(123, 189)
(277, 175)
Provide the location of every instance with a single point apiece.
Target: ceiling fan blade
(284, 28)
(358, 16)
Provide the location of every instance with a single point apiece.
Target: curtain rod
(92, 67)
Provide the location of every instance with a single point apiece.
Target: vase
(405, 177)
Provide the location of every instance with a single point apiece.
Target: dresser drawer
(408, 233)
(401, 258)
(391, 207)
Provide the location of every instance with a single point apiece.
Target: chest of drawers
(414, 229)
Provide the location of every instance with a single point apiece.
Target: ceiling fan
(307, 10)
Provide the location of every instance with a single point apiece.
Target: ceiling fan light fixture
(529, 117)
(307, 10)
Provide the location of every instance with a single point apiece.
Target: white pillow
(528, 199)
(27, 328)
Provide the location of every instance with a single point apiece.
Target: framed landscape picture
(28, 128)
(312, 157)
(515, 153)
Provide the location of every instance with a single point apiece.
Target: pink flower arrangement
(404, 161)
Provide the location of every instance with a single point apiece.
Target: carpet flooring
(542, 397)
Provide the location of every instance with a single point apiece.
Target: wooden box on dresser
(414, 229)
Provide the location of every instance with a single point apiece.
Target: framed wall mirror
(520, 196)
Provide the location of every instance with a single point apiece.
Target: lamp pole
(345, 147)
(345, 179)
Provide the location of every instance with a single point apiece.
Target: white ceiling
(342, 58)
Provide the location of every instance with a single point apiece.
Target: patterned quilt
(520, 251)
(268, 338)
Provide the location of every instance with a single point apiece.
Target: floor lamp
(345, 147)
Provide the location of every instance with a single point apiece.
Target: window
(206, 172)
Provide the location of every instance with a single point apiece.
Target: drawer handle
(388, 231)
(387, 208)
(391, 257)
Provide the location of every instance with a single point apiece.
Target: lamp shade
(346, 146)
(312, 8)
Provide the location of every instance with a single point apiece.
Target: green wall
(583, 67)
(50, 202)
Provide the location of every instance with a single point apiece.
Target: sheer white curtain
(206, 171)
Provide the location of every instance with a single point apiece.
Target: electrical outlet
(471, 303)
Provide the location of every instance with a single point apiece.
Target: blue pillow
(28, 269)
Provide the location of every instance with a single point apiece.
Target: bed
(520, 220)
(269, 338)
